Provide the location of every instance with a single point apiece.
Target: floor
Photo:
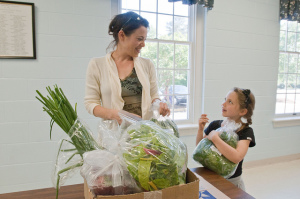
(273, 181)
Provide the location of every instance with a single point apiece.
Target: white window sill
(286, 121)
(187, 129)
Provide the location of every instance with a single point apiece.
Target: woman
(121, 80)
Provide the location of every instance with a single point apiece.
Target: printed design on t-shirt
(133, 108)
(132, 83)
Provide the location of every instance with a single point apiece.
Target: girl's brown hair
(127, 22)
(247, 101)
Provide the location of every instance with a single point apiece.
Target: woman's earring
(244, 120)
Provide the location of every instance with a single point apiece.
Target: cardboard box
(189, 190)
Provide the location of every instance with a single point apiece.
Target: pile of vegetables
(155, 159)
(64, 115)
(149, 159)
(209, 156)
(168, 124)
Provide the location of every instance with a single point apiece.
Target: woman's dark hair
(128, 22)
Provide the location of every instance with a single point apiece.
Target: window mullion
(156, 19)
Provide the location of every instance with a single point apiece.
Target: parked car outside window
(179, 92)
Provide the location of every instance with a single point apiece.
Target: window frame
(198, 13)
(287, 119)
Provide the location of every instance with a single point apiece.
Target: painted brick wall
(242, 45)
(242, 50)
(69, 33)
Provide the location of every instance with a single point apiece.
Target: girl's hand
(202, 122)
(164, 109)
(212, 135)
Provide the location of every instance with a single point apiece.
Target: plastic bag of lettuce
(164, 122)
(154, 158)
(209, 156)
(167, 124)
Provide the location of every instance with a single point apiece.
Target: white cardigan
(103, 85)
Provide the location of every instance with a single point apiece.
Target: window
(169, 46)
(288, 85)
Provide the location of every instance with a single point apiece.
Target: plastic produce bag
(154, 158)
(70, 152)
(164, 122)
(167, 124)
(107, 174)
(105, 170)
(66, 164)
(209, 156)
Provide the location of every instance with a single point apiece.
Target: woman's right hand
(114, 115)
(107, 114)
(202, 121)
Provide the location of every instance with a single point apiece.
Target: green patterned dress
(132, 93)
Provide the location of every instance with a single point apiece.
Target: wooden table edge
(221, 184)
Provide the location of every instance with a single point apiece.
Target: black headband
(247, 92)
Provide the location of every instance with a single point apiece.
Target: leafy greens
(155, 159)
(167, 124)
(208, 155)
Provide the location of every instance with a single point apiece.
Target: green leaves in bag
(209, 156)
(154, 158)
(166, 123)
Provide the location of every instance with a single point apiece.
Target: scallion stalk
(65, 116)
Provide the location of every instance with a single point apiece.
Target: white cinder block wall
(242, 41)
(242, 45)
(242, 50)
(68, 34)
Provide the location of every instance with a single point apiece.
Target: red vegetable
(152, 152)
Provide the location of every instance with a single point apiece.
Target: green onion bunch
(64, 115)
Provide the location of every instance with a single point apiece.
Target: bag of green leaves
(207, 154)
(164, 122)
(154, 158)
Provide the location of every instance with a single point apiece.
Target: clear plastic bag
(66, 163)
(209, 156)
(107, 174)
(70, 150)
(131, 154)
(167, 124)
(154, 158)
(164, 122)
(105, 170)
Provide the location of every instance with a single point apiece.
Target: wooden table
(222, 184)
(76, 191)
(65, 192)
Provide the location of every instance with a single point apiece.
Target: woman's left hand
(212, 135)
(164, 109)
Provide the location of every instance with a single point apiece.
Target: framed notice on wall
(17, 30)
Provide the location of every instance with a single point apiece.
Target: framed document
(17, 30)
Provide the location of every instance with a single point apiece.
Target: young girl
(238, 106)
